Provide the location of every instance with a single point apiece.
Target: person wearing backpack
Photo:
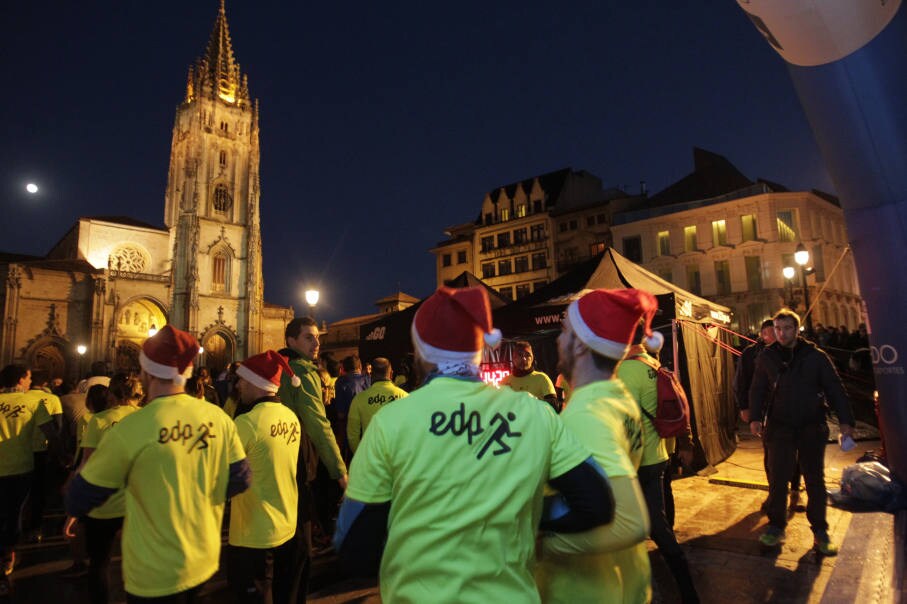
(640, 372)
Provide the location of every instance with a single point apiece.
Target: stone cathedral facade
(112, 280)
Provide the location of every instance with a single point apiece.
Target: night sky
(384, 123)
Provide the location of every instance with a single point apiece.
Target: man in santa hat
(452, 475)
(608, 563)
(261, 558)
(179, 459)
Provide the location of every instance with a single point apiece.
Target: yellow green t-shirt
(264, 516)
(463, 466)
(639, 379)
(606, 421)
(53, 406)
(20, 416)
(364, 407)
(173, 458)
(536, 383)
(97, 427)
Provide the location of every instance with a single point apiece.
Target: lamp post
(311, 298)
(81, 349)
(789, 273)
(801, 257)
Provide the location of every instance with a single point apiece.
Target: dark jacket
(744, 375)
(791, 386)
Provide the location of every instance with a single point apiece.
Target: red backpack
(672, 415)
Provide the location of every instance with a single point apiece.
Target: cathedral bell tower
(211, 207)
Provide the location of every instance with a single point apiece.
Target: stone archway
(136, 320)
(219, 351)
(48, 355)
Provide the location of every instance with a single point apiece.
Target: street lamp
(801, 257)
(789, 273)
(311, 298)
(81, 349)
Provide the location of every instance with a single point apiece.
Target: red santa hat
(264, 370)
(606, 320)
(168, 355)
(452, 325)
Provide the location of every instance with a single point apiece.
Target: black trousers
(785, 445)
(13, 492)
(263, 576)
(100, 534)
(652, 485)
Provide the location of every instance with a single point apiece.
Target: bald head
(381, 369)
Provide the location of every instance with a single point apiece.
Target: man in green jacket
(301, 336)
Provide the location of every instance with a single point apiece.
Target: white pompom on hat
(452, 325)
(606, 319)
(168, 355)
(264, 371)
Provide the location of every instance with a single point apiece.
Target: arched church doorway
(219, 350)
(137, 320)
(48, 355)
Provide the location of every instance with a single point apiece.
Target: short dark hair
(787, 314)
(767, 323)
(294, 327)
(40, 377)
(96, 398)
(351, 363)
(11, 375)
(125, 387)
(98, 368)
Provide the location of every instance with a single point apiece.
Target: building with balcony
(724, 237)
(530, 232)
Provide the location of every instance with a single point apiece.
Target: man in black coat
(791, 384)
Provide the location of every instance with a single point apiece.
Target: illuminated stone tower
(211, 207)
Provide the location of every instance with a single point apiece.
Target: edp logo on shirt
(10, 411)
(459, 423)
(181, 433)
(290, 430)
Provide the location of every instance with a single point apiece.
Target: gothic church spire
(217, 73)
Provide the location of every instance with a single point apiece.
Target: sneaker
(824, 547)
(771, 538)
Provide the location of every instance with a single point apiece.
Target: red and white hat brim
(604, 347)
(256, 380)
(164, 372)
(437, 356)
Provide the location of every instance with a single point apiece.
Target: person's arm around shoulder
(629, 526)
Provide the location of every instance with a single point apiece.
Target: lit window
(787, 226)
(597, 248)
(689, 239)
(521, 210)
(748, 227)
(219, 272)
(719, 233)
(505, 214)
(664, 243)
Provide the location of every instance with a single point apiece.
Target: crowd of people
(456, 490)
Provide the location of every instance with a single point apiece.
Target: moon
(31, 188)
